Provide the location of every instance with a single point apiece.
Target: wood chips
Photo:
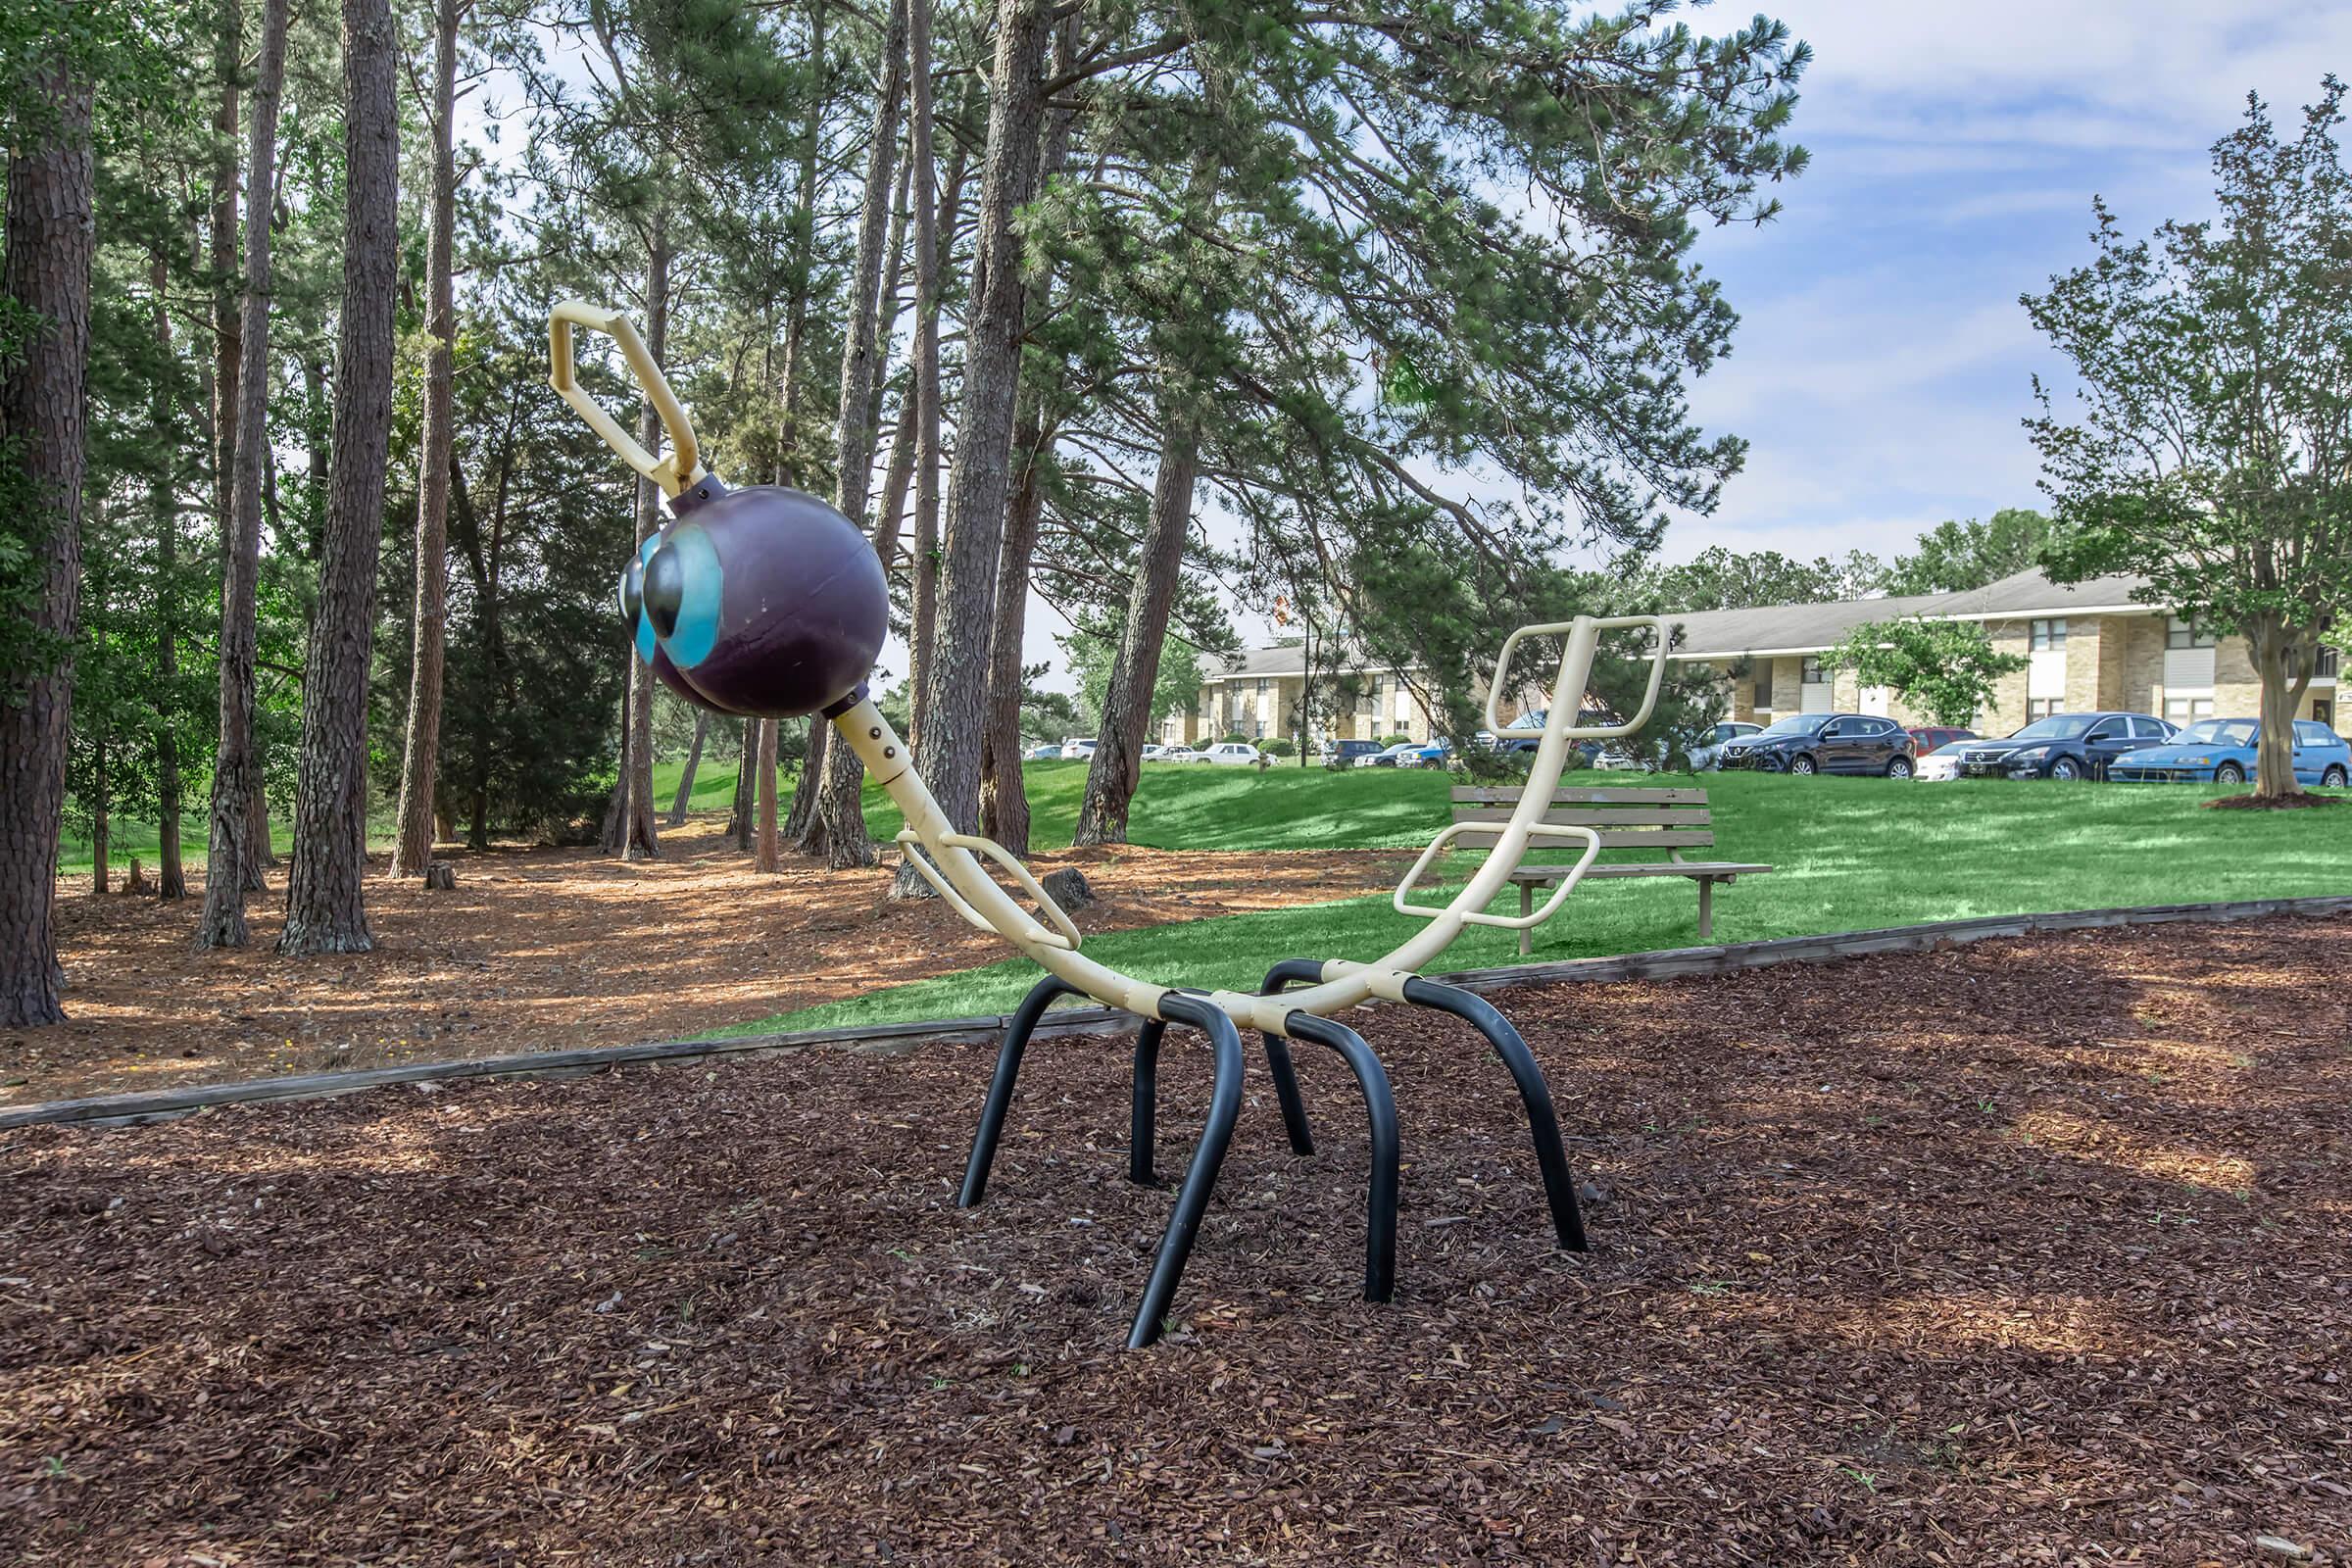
(2031, 1251)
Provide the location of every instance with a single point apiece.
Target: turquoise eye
(632, 598)
(682, 583)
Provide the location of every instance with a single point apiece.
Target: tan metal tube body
(1345, 985)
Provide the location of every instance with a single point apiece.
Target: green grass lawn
(1850, 854)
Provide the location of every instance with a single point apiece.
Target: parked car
(1234, 754)
(1181, 754)
(1389, 757)
(1343, 753)
(1049, 752)
(1826, 743)
(2064, 746)
(1077, 751)
(1931, 738)
(2221, 751)
(1940, 765)
(1432, 754)
(1153, 752)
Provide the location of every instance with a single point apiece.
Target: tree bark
(639, 838)
(739, 821)
(2283, 664)
(325, 910)
(1003, 793)
(766, 859)
(840, 803)
(172, 878)
(1115, 768)
(45, 273)
(228, 56)
(229, 851)
(616, 805)
(803, 829)
(694, 761)
(413, 838)
(804, 247)
(950, 719)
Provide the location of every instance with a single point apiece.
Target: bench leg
(1527, 907)
(1706, 907)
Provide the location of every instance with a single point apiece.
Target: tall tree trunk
(840, 805)
(229, 63)
(326, 911)
(2283, 664)
(230, 853)
(639, 839)
(616, 805)
(923, 631)
(171, 877)
(1004, 793)
(949, 722)
(101, 873)
(739, 821)
(45, 274)
(765, 782)
(1115, 768)
(413, 838)
(804, 251)
(803, 829)
(694, 761)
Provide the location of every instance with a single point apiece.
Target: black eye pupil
(632, 593)
(664, 590)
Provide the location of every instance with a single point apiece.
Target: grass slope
(1850, 853)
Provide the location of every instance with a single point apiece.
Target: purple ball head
(762, 602)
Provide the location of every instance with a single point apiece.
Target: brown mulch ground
(559, 948)
(2028, 1251)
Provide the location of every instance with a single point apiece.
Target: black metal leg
(1201, 1179)
(1380, 1106)
(1278, 1055)
(1146, 1107)
(999, 1088)
(1542, 1121)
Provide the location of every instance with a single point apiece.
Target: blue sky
(1883, 363)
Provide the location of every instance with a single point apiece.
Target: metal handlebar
(673, 473)
(1591, 630)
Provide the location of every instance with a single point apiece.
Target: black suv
(2064, 746)
(1826, 743)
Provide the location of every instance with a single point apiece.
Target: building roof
(1811, 628)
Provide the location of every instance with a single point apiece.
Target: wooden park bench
(1669, 820)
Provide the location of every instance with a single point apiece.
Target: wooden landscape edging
(165, 1104)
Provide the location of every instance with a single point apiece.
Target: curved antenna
(683, 466)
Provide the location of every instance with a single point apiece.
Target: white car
(1077, 751)
(1394, 757)
(1154, 750)
(1942, 764)
(1180, 754)
(1234, 754)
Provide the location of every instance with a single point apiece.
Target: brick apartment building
(2087, 646)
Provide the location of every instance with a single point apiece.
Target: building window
(2185, 709)
(2043, 635)
(2322, 664)
(1764, 689)
(1811, 673)
(2179, 633)
(2322, 711)
(2040, 707)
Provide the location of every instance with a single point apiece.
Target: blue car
(2221, 751)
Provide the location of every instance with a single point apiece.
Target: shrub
(1387, 740)
(1233, 737)
(1279, 749)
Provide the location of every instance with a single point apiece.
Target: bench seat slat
(1690, 868)
(1644, 838)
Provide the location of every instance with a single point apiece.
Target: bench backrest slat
(1625, 820)
(1509, 796)
(1665, 816)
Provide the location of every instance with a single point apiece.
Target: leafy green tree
(2210, 447)
(1955, 556)
(1947, 669)
(1717, 579)
(1092, 652)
